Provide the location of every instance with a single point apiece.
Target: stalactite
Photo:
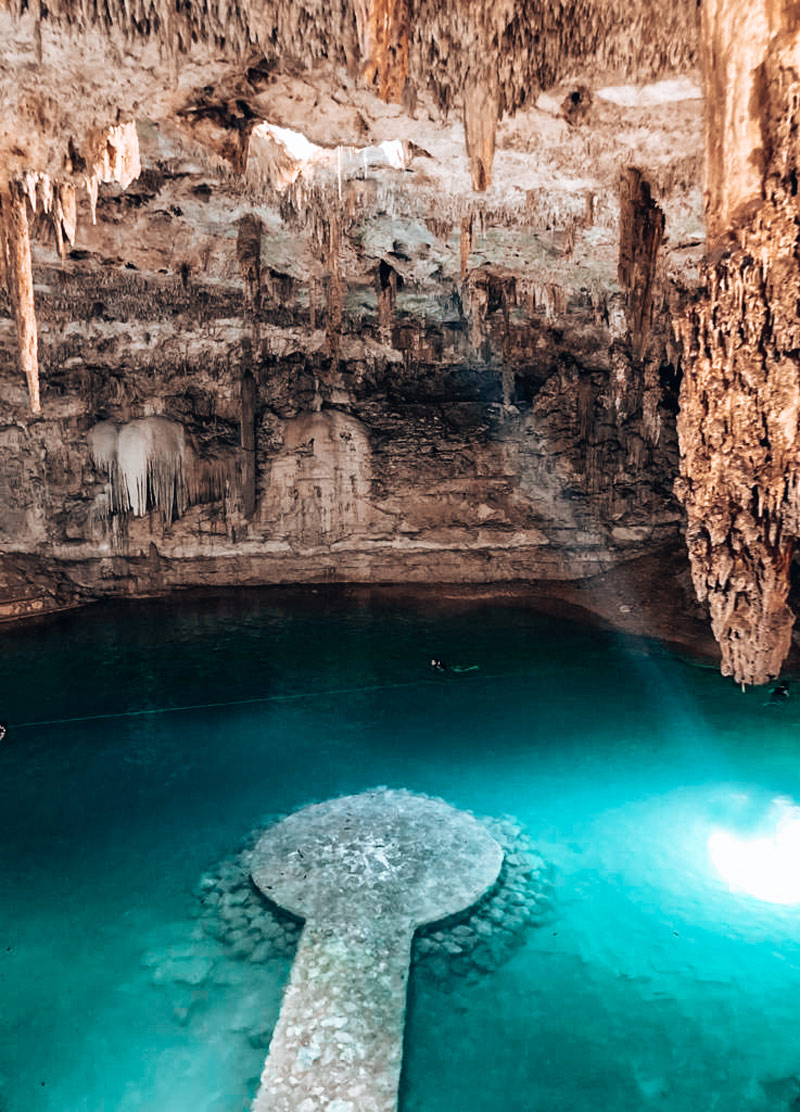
(152, 468)
(93, 192)
(383, 39)
(248, 253)
(585, 403)
(64, 215)
(145, 464)
(103, 440)
(651, 400)
(475, 300)
(739, 421)
(481, 113)
(335, 287)
(312, 304)
(534, 47)
(464, 246)
(116, 156)
(641, 224)
(590, 201)
(119, 159)
(111, 155)
(542, 296)
(248, 443)
(16, 246)
(738, 429)
(619, 384)
(734, 39)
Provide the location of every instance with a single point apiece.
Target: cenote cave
(399, 503)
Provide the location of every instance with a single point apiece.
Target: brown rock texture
(291, 464)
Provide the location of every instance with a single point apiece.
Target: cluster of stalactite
(17, 274)
(529, 46)
(152, 468)
(535, 46)
(314, 29)
(739, 428)
(486, 59)
(110, 156)
(328, 210)
(326, 214)
(492, 59)
(248, 253)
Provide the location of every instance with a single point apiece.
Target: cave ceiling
(296, 114)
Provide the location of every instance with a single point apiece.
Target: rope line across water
(246, 702)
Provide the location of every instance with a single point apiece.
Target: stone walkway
(364, 872)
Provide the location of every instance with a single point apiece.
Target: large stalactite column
(739, 423)
(640, 235)
(481, 111)
(15, 255)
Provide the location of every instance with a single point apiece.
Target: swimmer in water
(779, 694)
(3, 731)
(440, 666)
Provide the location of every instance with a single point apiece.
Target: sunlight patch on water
(765, 866)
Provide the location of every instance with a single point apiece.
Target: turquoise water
(655, 985)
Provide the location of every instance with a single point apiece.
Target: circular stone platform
(364, 872)
(381, 852)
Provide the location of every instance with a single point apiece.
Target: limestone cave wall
(375, 291)
(192, 433)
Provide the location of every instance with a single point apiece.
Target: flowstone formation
(468, 945)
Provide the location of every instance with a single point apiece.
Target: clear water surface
(656, 985)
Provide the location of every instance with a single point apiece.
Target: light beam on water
(765, 866)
